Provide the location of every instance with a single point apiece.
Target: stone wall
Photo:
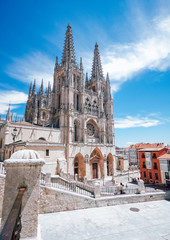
(2, 185)
(54, 200)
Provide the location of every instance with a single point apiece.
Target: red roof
(146, 145)
(165, 156)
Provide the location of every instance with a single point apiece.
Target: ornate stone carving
(90, 129)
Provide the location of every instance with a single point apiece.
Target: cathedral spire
(41, 87)
(33, 89)
(86, 82)
(49, 88)
(68, 52)
(56, 64)
(30, 90)
(108, 88)
(97, 71)
(8, 115)
(81, 64)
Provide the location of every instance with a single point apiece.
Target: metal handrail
(13, 226)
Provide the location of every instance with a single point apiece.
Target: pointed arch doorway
(79, 166)
(96, 163)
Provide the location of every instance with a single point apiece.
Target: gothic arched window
(44, 103)
(44, 115)
(77, 107)
(75, 133)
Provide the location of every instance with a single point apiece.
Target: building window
(47, 152)
(167, 175)
(155, 166)
(156, 176)
(154, 155)
(77, 103)
(144, 165)
(43, 115)
(41, 138)
(59, 101)
(145, 174)
(143, 155)
(150, 175)
(75, 133)
(119, 163)
(76, 164)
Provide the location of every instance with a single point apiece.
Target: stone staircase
(68, 185)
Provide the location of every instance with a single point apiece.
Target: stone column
(23, 170)
(88, 170)
(97, 189)
(105, 167)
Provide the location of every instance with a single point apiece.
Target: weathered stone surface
(23, 173)
(55, 200)
(2, 185)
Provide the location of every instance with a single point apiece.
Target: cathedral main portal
(96, 163)
(95, 170)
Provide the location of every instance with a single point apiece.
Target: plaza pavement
(150, 221)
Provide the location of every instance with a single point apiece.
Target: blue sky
(134, 43)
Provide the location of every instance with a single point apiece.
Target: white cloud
(122, 61)
(132, 122)
(11, 97)
(151, 53)
(33, 66)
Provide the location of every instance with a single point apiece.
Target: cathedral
(70, 123)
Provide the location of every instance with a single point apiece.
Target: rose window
(90, 129)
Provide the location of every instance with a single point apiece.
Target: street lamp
(14, 134)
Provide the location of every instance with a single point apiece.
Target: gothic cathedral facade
(81, 110)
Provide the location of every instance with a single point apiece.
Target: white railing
(61, 183)
(116, 190)
(2, 169)
(42, 179)
(74, 186)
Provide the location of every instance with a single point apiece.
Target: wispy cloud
(36, 65)
(133, 122)
(122, 61)
(14, 98)
(151, 53)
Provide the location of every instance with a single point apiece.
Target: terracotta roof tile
(165, 156)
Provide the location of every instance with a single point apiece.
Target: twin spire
(97, 71)
(69, 56)
(68, 52)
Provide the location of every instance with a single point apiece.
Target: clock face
(90, 129)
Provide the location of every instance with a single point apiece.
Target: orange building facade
(149, 165)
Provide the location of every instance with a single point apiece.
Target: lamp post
(14, 134)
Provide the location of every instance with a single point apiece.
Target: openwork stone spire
(68, 52)
(8, 115)
(97, 71)
(108, 88)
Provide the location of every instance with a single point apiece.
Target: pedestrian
(121, 188)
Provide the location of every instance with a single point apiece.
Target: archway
(109, 164)
(79, 166)
(96, 163)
